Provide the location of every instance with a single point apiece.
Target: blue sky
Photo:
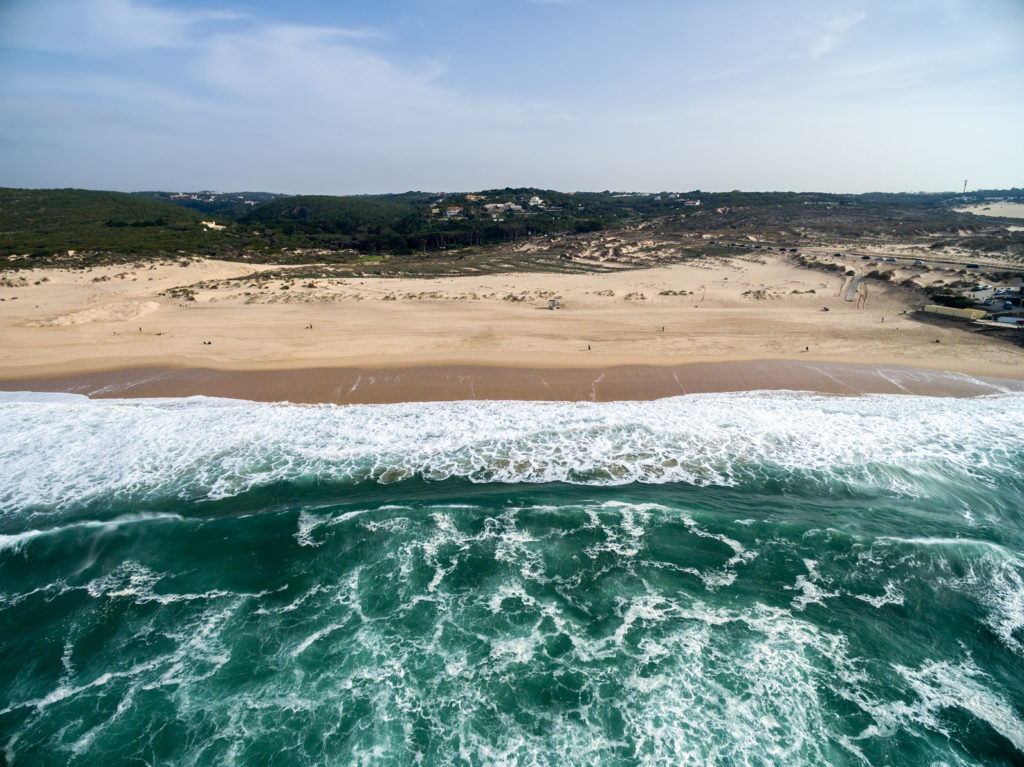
(340, 97)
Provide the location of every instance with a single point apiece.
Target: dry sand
(719, 310)
(997, 209)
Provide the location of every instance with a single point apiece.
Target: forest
(41, 227)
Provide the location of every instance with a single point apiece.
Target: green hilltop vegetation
(44, 224)
(212, 204)
(39, 227)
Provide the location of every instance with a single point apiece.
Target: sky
(343, 97)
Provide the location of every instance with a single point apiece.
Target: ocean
(762, 578)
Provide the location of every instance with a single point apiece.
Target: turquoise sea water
(734, 579)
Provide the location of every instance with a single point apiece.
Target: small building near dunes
(949, 311)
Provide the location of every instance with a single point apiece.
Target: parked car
(919, 262)
(973, 266)
(865, 258)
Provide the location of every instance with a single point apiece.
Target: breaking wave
(63, 449)
(760, 578)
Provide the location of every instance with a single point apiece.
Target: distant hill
(47, 222)
(230, 204)
(418, 221)
(334, 215)
(40, 226)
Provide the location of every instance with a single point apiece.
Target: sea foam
(58, 450)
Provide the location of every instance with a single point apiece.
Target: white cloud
(103, 27)
(159, 97)
(106, 28)
(829, 34)
(296, 102)
(126, 25)
(821, 45)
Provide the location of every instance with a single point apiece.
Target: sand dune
(998, 209)
(108, 311)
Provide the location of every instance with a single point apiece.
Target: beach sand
(762, 309)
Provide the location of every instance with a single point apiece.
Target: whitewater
(751, 578)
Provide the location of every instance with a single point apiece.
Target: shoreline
(431, 383)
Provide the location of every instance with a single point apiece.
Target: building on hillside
(536, 202)
(497, 207)
(453, 211)
(475, 197)
(692, 203)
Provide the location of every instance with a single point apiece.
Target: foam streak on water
(753, 579)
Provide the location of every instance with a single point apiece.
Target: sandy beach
(197, 315)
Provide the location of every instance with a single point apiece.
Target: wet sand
(365, 385)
